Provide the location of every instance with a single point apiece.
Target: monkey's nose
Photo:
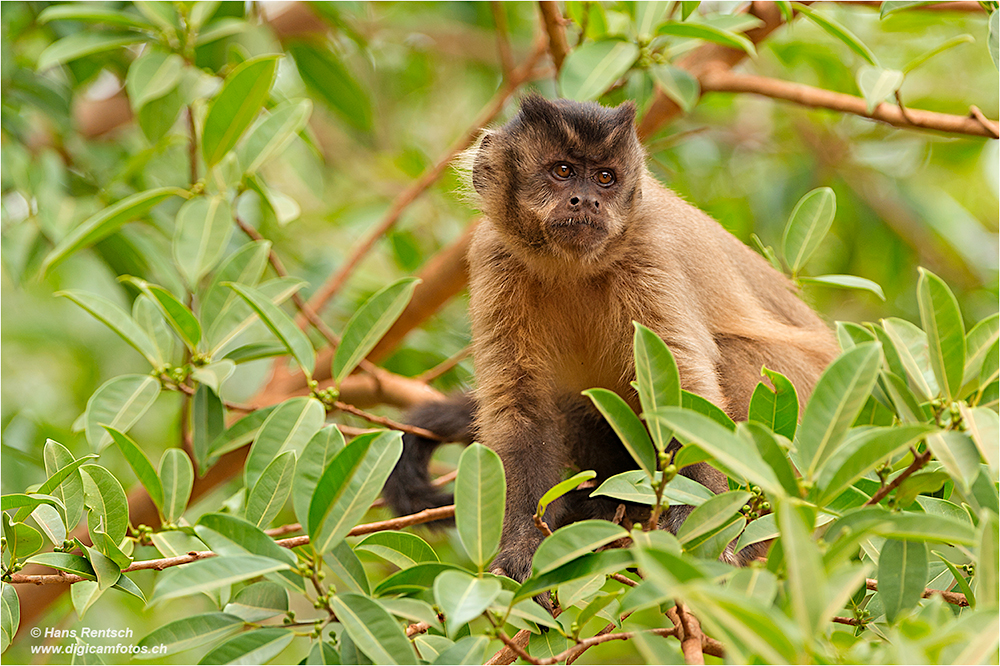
(590, 204)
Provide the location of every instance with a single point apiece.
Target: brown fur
(560, 270)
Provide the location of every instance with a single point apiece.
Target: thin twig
(387, 422)
(956, 598)
(542, 526)
(691, 636)
(991, 125)
(503, 38)
(410, 194)
(720, 80)
(919, 460)
(192, 145)
(625, 580)
(586, 643)
(418, 628)
(853, 621)
(444, 366)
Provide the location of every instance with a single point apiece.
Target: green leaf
(177, 477)
(963, 584)
(804, 567)
(188, 632)
(228, 535)
(239, 315)
(414, 610)
(893, 6)
(561, 488)
(316, 455)
(51, 522)
(348, 486)
(709, 33)
(777, 409)
(327, 78)
(634, 486)
(271, 490)
(85, 43)
(838, 31)
(151, 322)
(845, 282)
(255, 351)
(572, 541)
(204, 225)
(22, 540)
(240, 433)
(254, 647)
(977, 345)
(877, 83)
(942, 321)
(211, 574)
(180, 318)
(657, 380)
(208, 420)
(367, 326)
(104, 496)
(711, 515)
(413, 580)
(118, 321)
(83, 595)
(775, 454)
(372, 629)
(289, 427)
(259, 601)
(913, 350)
(860, 453)
(993, 38)
(959, 455)
(807, 226)
(987, 578)
(106, 570)
(69, 488)
(730, 453)
(140, 464)
(235, 107)
(245, 266)
(677, 84)
(902, 575)
(272, 134)
(589, 70)
(88, 13)
(984, 428)
(627, 426)
(401, 548)
(480, 494)
(71, 564)
(118, 403)
(604, 562)
(151, 76)
(469, 650)
(942, 47)
(876, 520)
(281, 325)
(699, 404)
(647, 16)
(28, 502)
(107, 221)
(836, 401)
(463, 598)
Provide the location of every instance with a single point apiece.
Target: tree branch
(956, 598)
(410, 194)
(556, 31)
(720, 80)
(919, 460)
(424, 516)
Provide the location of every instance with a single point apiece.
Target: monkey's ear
(482, 167)
(536, 108)
(625, 113)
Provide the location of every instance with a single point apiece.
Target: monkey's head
(562, 176)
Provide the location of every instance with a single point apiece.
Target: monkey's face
(562, 176)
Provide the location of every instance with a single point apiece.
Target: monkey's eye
(562, 171)
(605, 177)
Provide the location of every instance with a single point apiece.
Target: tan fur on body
(555, 286)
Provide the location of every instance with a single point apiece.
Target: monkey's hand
(514, 561)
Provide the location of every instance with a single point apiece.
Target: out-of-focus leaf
(151, 76)
(942, 321)
(88, 13)
(369, 323)
(838, 31)
(940, 48)
(204, 225)
(237, 104)
(807, 226)
(325, 75)
(677, 84)
(846, 282)
(591, 69)
(118, 321)
(877, 83)
(80, 44)
(272, 134)
(709, 33)
(107, 221)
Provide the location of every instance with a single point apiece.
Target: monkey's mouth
(577, 234)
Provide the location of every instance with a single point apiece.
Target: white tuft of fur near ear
(463, 164)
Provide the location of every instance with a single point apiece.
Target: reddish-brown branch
(854, 622)
(418, 628)
(721, 80)
(956, 598)
(445, 366)
(542, 526)
(624, 580)
(387, 422)
(507, 654)
(919, 460)
(556, 31)
(410, 194)
(691, 636)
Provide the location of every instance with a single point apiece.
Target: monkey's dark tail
(409, 489)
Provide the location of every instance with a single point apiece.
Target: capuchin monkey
(578, 242)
